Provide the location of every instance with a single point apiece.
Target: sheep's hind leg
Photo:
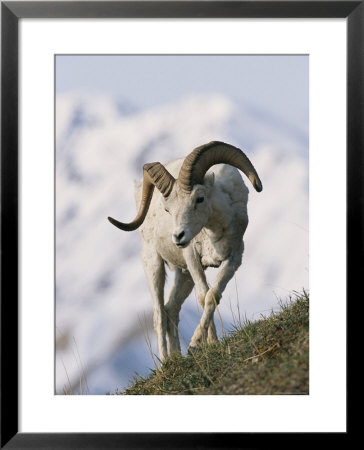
(156, 275)
(180, 290)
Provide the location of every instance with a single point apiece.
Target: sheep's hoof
(212, 339)
(196, 345)
(191, 349)
(199, 338)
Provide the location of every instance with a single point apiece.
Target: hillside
(270, 356)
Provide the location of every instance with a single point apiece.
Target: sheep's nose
(179, 236)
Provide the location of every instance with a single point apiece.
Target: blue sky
(276, 83)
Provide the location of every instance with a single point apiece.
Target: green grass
(270, 356)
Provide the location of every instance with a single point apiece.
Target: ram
(196, 219)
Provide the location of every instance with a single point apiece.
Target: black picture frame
(11, 12)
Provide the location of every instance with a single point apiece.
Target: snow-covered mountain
(103, 307)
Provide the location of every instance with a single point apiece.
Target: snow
(103, 307)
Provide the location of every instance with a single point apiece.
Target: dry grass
(269, 356)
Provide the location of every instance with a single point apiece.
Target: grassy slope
(269, 356)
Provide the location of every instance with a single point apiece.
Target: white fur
(213, 236)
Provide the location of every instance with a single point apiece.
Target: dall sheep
(196, 220)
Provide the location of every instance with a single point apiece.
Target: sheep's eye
(200, 199)
(166, 210)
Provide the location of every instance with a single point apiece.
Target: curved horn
(198, 162)
(155, 174)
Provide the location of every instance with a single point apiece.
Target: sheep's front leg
(199, 278)
(155, 272)
(212, 299)
(180, 290)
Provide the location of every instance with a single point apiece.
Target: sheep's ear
(209, 180)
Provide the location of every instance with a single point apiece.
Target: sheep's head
(189, 211)
(187, 198)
